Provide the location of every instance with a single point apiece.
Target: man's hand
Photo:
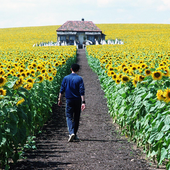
(83, 106)
(59, 103)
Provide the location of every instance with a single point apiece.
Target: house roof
(79, 26)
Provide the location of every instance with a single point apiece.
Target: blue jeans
(73, 110)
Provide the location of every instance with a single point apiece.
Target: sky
(26, 13)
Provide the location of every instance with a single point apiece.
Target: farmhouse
(79, 32)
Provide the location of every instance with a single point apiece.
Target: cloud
(17, 5)
(165, 6)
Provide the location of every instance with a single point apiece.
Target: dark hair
(75, 67)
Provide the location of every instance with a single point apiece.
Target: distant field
(136, 34)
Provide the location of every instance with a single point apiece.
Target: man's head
(75, 67)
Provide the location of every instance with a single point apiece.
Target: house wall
(79, 37)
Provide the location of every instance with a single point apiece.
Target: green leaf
(162, 105)
(3, 141)
(13, 128)
(149, 95)
(165, 128)
(10, 84)
(7, 167)
(163, 154)
(121, 110)
(159, 136)
(13, 117)
(167, 120)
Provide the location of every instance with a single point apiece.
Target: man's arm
(83, 106)
(60, 99)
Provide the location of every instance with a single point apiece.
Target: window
(90, 38)
(62, 38)
(72, 37)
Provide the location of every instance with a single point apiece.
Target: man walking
(73, 86)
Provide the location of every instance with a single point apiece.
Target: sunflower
(166, 72)
(21, 70)
(18, 83)
(50, 70)
(56, 64)
(54, 73)
(123, 65)
(134, 68)
(125, 79)
(167, 95)
(135, 81)
(120, 75)
(148, 72)
(2, 93)
(2, 81)
(107, 66)
(109, 73)
(18, 75)
(64, 62)
(30, 80)
(28, 86)
(143, 65)
(40, 78)
(50, 78)
(39, 66)
(111, 68)
(114, 76)
(161, 64)
(2, 72)
(118, 80)
(157, 75)
(34, 65)
(160, 95)
(125, 69)
(20, 101)
(32, 71)
(24, 74)
(112, 73)
(141, 78)
(43, 71)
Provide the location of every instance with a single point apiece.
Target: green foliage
(19, 123)
(140, 115)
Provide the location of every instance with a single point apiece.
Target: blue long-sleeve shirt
(73, 86)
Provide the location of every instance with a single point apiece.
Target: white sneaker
(71, 137)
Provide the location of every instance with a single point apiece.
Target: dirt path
(100, 147)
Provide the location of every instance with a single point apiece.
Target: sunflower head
(135, 81)
(28, 86)
(166, 95)
(43, 71)
(157, 75)
(125, 69)
(114, 76)
(2, 81)
(18, 83)
(118, 80)
(166, 72)
(2, 92)
(2, 72)
(40, 78)
(160, 95)
(148, 72)
(30, 80)
(141, 78)
(125, 79)
(50, 78)
(109, 73)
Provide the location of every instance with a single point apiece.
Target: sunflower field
(136, 81)
(30, 79)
